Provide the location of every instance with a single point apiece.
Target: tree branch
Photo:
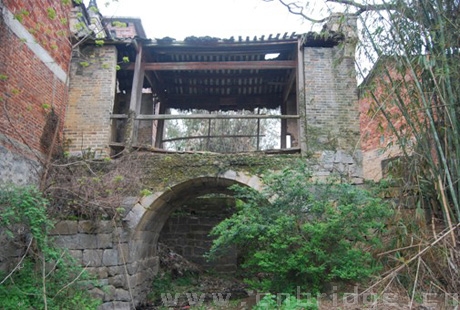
(18, 266)
(297, 9)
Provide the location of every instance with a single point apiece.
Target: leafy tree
(226, 135)
(303, 233)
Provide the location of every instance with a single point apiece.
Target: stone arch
(147, 218)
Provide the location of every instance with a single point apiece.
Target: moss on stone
(160, 170)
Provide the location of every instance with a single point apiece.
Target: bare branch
(18, 266)
(361, 8)
(299, 10)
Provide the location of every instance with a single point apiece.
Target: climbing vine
(45, 277)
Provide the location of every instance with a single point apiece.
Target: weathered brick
(92, 88)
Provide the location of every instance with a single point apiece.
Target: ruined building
(102, 89)
(117, 89)
(122, 95)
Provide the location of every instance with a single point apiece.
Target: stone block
(77, 242)
(109, 292)
(92, 258)
(193, 220)
(97, 293)
(134, 216)
(135, 280)
(104, 241)
(231, 268)
(254, 182)
(199, 251)
(65, 228)
(243, 178)
(103, 282)
(99, 272)
(87, 227)
(92, 227)
(123, 253)
(110, 257)
(343, 157)
(133, 268)
(77, 255)
(115, 305)
(121, 234)
(115, 270)
(129, 201)
(147, 201)
(121, 295)
(327, 157)
(230, 174)
(118, 281)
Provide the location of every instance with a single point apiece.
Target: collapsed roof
(221, 74)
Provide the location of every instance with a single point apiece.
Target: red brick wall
(50, 32)
(378, 141)
(28, 88)
(381, 95)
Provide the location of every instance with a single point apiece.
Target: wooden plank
(119, 116)
(138, 80)
(228, 74)
(289, 85)
(211, 136)
(218, 65)
(213, 116)
(136, 96)
(301, 108)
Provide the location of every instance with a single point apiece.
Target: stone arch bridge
(123, 254)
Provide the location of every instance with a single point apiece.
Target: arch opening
(184, 204)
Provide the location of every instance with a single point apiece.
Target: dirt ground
(187, 286)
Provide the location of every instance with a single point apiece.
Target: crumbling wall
(91, 100)
(329, 104)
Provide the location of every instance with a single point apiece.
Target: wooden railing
(209, 117)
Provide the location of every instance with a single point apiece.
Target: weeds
(45, 277)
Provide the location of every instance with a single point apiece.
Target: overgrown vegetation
(290, 303)
(87, 188)
(93, 188)
(414, 91)
(45, 277)
(301, 233)
(414, 94)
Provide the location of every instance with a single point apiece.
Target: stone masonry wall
(34, 53)
(105, 249)
(91, 100)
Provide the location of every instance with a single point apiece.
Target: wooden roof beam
(218, 65)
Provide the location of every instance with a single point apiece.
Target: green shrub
(300, 233)
(47, 277)
(24, 289)
(271, 301)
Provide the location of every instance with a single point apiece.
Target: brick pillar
(91, 100)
